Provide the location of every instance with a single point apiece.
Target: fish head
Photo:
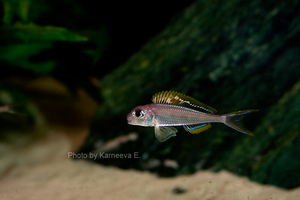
(141, 116)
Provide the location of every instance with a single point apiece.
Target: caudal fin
(234, 120)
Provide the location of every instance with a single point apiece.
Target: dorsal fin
(176, 98)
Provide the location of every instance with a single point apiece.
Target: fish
(171, 108)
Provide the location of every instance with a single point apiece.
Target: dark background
(232, 55)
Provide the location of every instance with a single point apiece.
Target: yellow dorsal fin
(193, 129)
(176, 98)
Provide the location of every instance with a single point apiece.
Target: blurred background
(72, 71)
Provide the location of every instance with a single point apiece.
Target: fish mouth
(129, 122)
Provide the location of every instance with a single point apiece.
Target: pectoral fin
(198, 128)
(162, 133)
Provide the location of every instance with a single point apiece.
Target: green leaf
(19, 55)
(33, 33)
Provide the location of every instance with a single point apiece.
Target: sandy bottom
(42, 170)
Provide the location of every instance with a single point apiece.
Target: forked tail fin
(234, 120)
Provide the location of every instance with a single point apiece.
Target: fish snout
(129, 118)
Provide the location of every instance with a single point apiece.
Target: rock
(232, 56)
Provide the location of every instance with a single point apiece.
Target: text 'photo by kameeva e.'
(103, 155)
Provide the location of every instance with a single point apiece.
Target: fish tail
(234, 120)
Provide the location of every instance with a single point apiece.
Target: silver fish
(171, 108)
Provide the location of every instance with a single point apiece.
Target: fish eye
(138, 113)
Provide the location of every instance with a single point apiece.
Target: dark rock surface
(231, 55)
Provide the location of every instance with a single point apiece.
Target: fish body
(171, 108)
(173, 115)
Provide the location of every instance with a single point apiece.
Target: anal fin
(197, 128)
